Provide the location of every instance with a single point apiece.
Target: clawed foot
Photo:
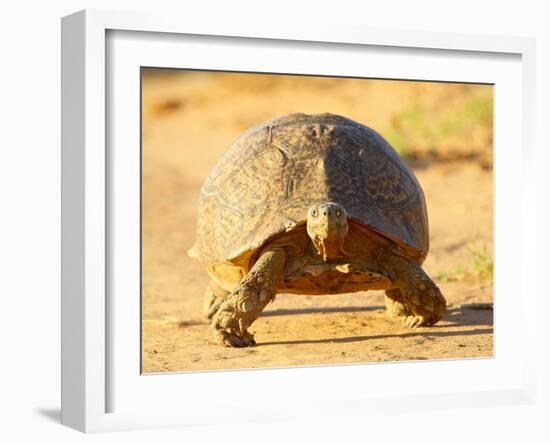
(246, 302)
(413, 321)
(397, 309)
(229, 330)
(230, 339)
(231, 336)
(230, 323)
(426, 303)
(419, 303)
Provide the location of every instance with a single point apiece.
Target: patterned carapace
(266, 181)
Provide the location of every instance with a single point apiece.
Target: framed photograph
(314, 221)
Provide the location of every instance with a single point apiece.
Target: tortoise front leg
(246, 302)
(416, 298)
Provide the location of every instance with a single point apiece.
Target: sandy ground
(190, 119)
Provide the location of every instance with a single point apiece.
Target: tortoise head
(327, 226)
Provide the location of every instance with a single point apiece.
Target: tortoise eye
(338, 212)
(314, 212)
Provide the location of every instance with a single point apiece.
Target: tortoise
(311, 204)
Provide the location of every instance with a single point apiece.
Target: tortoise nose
(328, 210)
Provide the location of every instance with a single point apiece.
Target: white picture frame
(90, 317)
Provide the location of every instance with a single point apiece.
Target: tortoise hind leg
(213, 298)
(395, 304)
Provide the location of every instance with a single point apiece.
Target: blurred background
(444, 131)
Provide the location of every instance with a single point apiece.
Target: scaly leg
(395, 305)
(213, 298)
(416, 298)
(246, 302)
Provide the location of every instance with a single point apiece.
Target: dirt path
(189, 120)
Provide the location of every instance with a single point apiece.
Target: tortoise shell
(266, 181)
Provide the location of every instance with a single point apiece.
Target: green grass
(428, 128)
(476, 111)
(483, 262)
(396, 139)
(458, 275)
(482, 267)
